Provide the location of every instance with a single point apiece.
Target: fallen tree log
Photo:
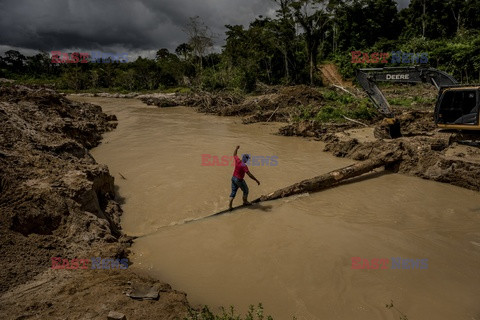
(333, 178)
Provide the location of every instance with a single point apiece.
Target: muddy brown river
(293, 255)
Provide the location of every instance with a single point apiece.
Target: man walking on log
(237, 178)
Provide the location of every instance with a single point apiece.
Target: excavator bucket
(394, 130)
(389, 128)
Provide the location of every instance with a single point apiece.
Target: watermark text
(94, 263)
(393, 263)
(382, 57)
(210, 160)
(88, 57)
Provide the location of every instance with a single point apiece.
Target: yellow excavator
(457, 106)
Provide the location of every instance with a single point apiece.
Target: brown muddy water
(294, 255)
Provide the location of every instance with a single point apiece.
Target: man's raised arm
(235, 152)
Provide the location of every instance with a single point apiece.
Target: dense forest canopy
(284, 49)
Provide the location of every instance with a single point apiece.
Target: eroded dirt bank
(56, 201)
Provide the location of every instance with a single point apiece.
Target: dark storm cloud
(136, 26)
(120, 24)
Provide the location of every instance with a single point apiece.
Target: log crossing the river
(333, 178)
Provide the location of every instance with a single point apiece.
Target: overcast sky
(139, 27)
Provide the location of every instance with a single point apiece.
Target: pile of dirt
(52, 189)
(416, 123)
(434, 157)
(223, 104)
(273, 106)
(315, 129)
(280, 105)
(56, 201)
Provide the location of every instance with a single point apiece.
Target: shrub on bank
(205, 314)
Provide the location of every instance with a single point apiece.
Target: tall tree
(471, 14)
(200, 38)
(15, 61)
(162, 54)
(312, 17)
(285, 29)
(434, 19)
(361, 23)
(183, 50)
(39, 64)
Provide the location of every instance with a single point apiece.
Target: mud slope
(56, 201)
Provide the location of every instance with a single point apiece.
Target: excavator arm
(368, 79)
